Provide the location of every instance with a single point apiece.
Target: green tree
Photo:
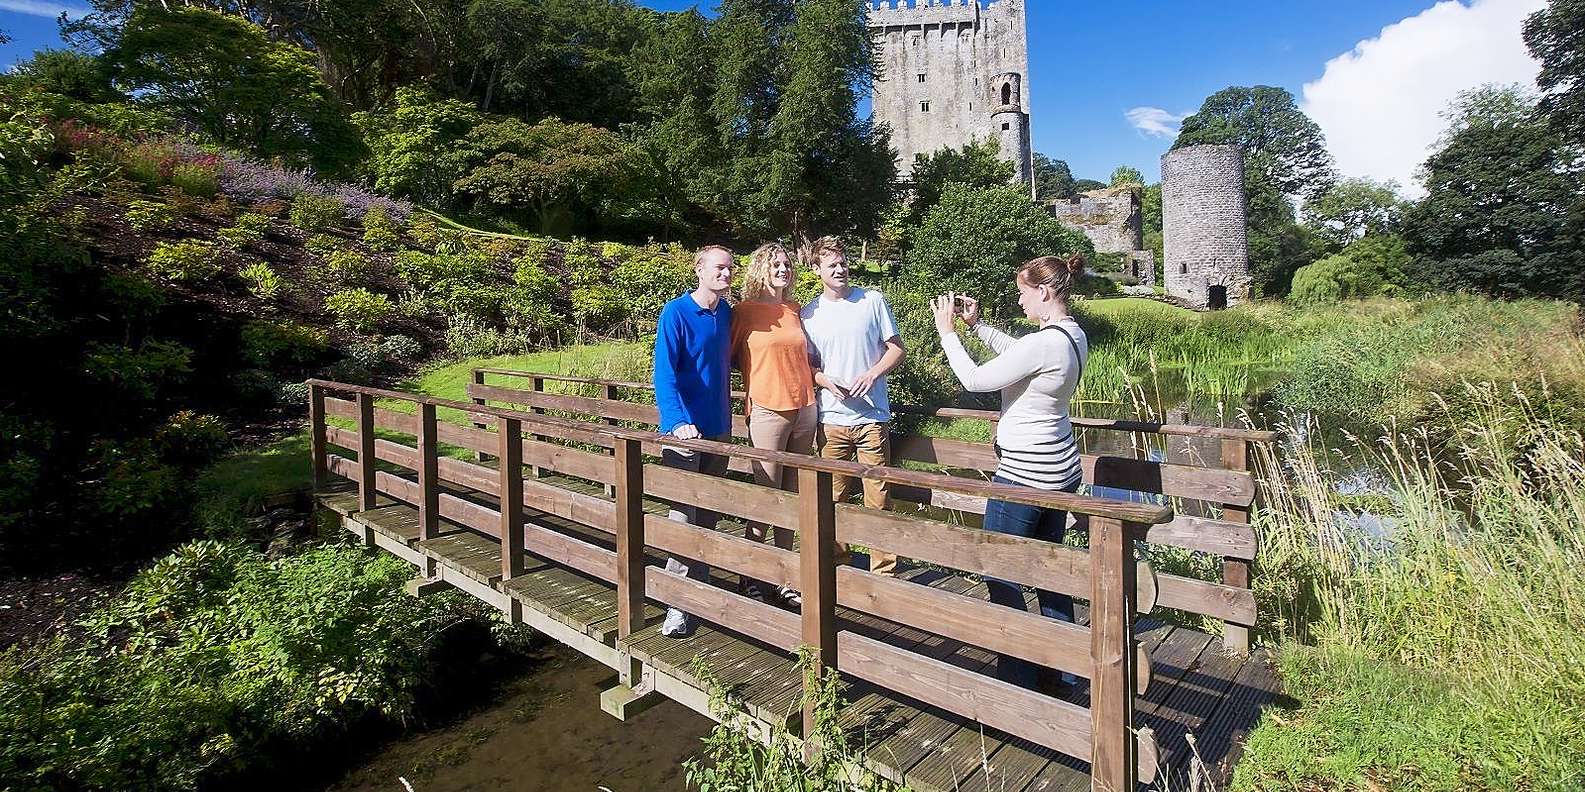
(1086, 185)
(979, 165)
(1053, 179)
(974, 240)
(227, 79)
(1502, 212)
(69, 73)
(1281, 143)
(1353, 208)
(558, 171)
(1370, 266)
(1556, 38)
(1150, 221)
(416, 144)
(1126, 175)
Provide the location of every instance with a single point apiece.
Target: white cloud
(1152, 121)
(1379, 103)
(41, 8)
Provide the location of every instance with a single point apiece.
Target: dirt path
(544, 732)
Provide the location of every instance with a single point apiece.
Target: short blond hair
(824, 245)
(698, 258)
(756, 282)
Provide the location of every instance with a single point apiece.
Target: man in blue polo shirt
(693, 392)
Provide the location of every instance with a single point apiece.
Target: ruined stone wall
(1114, 223)
(1204, 224)
(936, 83)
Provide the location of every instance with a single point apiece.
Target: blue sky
(1091, 63)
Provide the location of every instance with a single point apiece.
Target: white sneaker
(678, 624)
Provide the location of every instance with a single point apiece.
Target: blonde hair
(698, 258)
(823, 245)
(756, 282)
(1060, 273)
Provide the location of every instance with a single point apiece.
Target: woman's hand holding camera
(948, 306)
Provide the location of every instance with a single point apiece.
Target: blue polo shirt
(693, 366)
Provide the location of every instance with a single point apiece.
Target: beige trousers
(792, 431)
(869, 444)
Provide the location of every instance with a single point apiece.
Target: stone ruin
(1204, 227)
(1113, 221)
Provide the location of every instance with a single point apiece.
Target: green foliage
(212, 655)
(380, 232)
(187, 261)
(599, 307)
(141, 374)
(1052, 179)
(68, 73)
(348, 266)
(416, 146)
(979, 166)
(313, 212)
(1503, 212)
(1556, 38)
(224, 76)
(262, 281)
(1374, 266)
(322, 244)
(249, 230)
(282, 343)
(359, 310)
(198, 179)
(651, 276)
(190, 438)
(1125, 175)
(145, 216)
(550, 168)
(1280, 142)
(973, 241)
(1353, 208)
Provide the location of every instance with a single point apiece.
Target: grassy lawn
(1134, 306)
(236, 486)
(615, 361)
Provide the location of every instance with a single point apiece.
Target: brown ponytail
(1058, 272)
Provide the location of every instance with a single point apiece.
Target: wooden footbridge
(579, 556)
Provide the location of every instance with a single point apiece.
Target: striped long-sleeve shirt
(1036, 375)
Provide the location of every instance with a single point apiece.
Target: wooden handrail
(1142, 513)
(1121, 425)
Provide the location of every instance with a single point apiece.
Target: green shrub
(312, 212)
(348, 266)
(262, 281)
(425, 230)
(652, 275)
(583, 264)
(138, 374)
(191, 438)
(200, 180)
(146, 216)
(275, 344)
(186, 261)
(149, 163)
(1369, 267)
(598, 307)
(322, 244)
(380, 232)
(466, 336)
(249, 230)
(212, 655)
(359, 310)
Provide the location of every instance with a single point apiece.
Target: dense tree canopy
(978, 165)
(1053, 179)
(1124, 175)
(1556, 38)
(551, 170)
(1280, 142)
(1503, 212)
(68, 73)
(1353, 208)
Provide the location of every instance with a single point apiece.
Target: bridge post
(1235, 571)
(1114, 763)
(817, 538)
(539, 387)
(629, 537)
(478, 379)
(509, 450)
(428, 475)
(316, 436)
(611, 395)
(367, 494)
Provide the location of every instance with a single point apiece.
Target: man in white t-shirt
(854, 338)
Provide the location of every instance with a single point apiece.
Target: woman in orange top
(768, 347)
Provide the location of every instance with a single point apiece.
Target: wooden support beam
(509, 436)
(1114, 763)
(478, 379)
(629, 538)
(817, 530)
(428, 473)
(1235, 571)
(366, 467)
(316, 436)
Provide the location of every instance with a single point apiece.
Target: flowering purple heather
(251, 179)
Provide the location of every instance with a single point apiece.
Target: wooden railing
(1223, 483)
(1117, 585)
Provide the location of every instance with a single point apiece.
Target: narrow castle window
(1183, 268)
(1007, 94)
(924, 107)
(921, 78)
(1006, 127)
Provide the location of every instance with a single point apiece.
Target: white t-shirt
(849, 336)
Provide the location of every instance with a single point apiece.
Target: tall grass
(1446, 651)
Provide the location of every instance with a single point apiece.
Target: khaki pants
(792, 431)
(869, 444)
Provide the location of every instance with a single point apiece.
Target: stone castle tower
(951, 71)
(1204, 232)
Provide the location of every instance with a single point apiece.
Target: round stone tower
(1010, 123)
(1204, 229)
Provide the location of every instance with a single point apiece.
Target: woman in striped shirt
(1035, 447)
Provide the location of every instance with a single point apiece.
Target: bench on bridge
(578, 560)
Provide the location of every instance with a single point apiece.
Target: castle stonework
(1112, 218)
(1204, 230)
(950, 72)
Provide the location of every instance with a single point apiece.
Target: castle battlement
(905, 13)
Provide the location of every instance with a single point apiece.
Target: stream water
(543, 731)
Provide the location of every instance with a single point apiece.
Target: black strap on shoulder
(1077, 355)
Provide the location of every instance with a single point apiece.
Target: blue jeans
(1020, 519)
